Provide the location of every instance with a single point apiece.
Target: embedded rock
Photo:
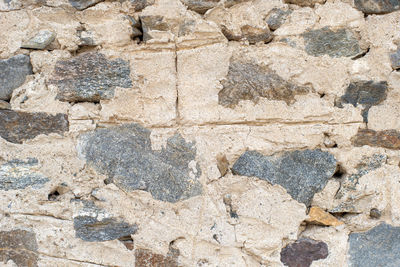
(395, 59)
(302, 172)
(303, 252)
(305, 2)
(17, 126)
(83, 4)
(388, 138)
(40, 40)
(377, 6)
(276, 17)
(90, 77)
(146, 258)
(250, 33)
(20, 246)
(165, 174)
(320, 217)
(4, 105)
(248, 81)
(152, 23)
(13, 72)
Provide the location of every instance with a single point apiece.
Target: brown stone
(19, 246)
(303, 252)
(4, 105)
(222, 164)
(388, 138)
(305, 2)
(146, 258)
(17, 126)
(321, 217)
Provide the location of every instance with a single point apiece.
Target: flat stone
(4, 105)
(90, 77)
(83, 4)
(40, 40)
(387, 138)
(166, 174)
(320, 217)
(310, 3)
(222, 164)
(379, 246)
(249, 81)
(13, 72)
(200, 6)
(377, 6)
(334, 43)
(17, 126)
(302, 172)
(276, 17)
(95, 225)
(366, 93)
(152, 23)
(18, 174)
(395, 59)
(250, 33)
(146, 258)
(303, 252)
(20, 246)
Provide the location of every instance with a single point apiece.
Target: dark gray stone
(13, 72)
(366, 93)
(377, 6)
(17, 126)
(20, 246)
(200, 6)
(302, 172)
(18, 174)
(124, 154)
(334, 43)
(83, 4)
(248, 81)
(395, 59)
(276, 17)
(152, 23)
(303, 252)
(379, 246)
(375, 213)
(90, 77)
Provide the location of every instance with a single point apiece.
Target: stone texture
(20, 246)
(4, 105)
(320, 217)
(200, 6)
(248, 81)
(146, 258)
(302, 173)
(152, 23)
(40, 41)
(377, 6)
(395, 59)
(340, 42)
(18, 174)
(366, 93)
(303, 252)
(388, 138)
(83, 4)
(276, 17)
(305, 2)
(166, 174)
(380, 246)
(250, 33)
(17, 126)
(13, 72)
(90, 77)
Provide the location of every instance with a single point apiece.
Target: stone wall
(200, 133)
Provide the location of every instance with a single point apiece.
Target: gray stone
(83, 4)
(140, 4)
(379, 246)
(249, 81)
(40, 40)
(334, 43)
(13, 72)
(95, 225)
(18, 174)
(276, 17)
(375, 213)
(17, 126)
(20, 246)
(395, 59)
(303, 252)
(90, 77)
(124, 154)
(200, 6)
(310, 3)
(366, 93)
(377, 6)
(302, 172)
(152, 23)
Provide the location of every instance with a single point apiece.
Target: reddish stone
(387, 138)
(19, 246)
(146, 258)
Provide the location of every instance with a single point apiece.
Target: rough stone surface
(303, 252)
(321, 217)
(166, 174)
(377, 6)
(301, 173)
(146, 258)
(276, 17)
(4, 105)
(40, 40)
(334, 43)
(395, 59)
(200, 6)
(83, 4)
(379, 246)
(13, 72)
(248, 81)
(305, 2)
(90, 77)
(17, 126)
(387, 138)
(366, 93)
(20, 246)
(152, 23)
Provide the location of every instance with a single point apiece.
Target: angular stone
(13, 72)
(17, 126)
(303, 252)
(166, 174)
(222, 164)
(250, 33)
(140, 4)
(90, 77)
(18, 174)
(83, 4)
(20, 246)
(4, 105)
(377, 6)
(334, 43)
(146, 258)
(95, 225)
(379, 246)
(395, 59)
(248, 81)
(302, 172)
(276, 17)
(366, 93)
(320, 217)
(305, 2)
(388, 138)
(40, 40)
(200, 6)
(152, 23)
